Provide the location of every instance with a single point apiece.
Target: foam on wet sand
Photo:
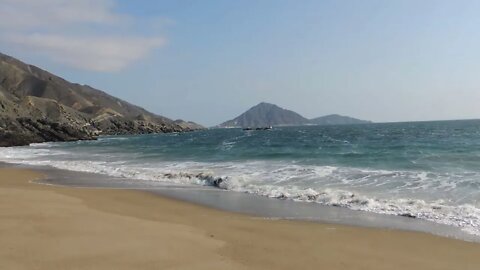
(48, 227)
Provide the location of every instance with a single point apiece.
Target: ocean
(423, 170)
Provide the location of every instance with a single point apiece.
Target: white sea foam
(408, 193)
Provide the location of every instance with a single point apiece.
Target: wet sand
(50, 227)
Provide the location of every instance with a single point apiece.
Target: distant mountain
(37, 106)
(335, 119)
(266, 114)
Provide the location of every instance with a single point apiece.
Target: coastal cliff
(37, 106)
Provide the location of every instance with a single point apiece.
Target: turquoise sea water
(426, 170)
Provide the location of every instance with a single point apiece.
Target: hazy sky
(208, 61)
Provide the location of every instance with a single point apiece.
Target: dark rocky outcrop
(23, 131)
(37, 106)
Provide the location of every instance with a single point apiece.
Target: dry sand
(46, 227)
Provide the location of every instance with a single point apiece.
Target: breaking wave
(353, 188)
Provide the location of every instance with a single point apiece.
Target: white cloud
(56, 13)
(91, 53)
(48, 27)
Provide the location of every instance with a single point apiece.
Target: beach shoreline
(250, 204)
(54, 227)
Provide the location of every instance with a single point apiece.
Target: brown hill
(37, 106)
(264, 115)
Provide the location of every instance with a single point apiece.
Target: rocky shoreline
(24, 131)
(37, 106)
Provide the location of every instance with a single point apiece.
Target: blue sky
(208, 61)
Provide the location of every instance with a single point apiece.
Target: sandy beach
(48, 227)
